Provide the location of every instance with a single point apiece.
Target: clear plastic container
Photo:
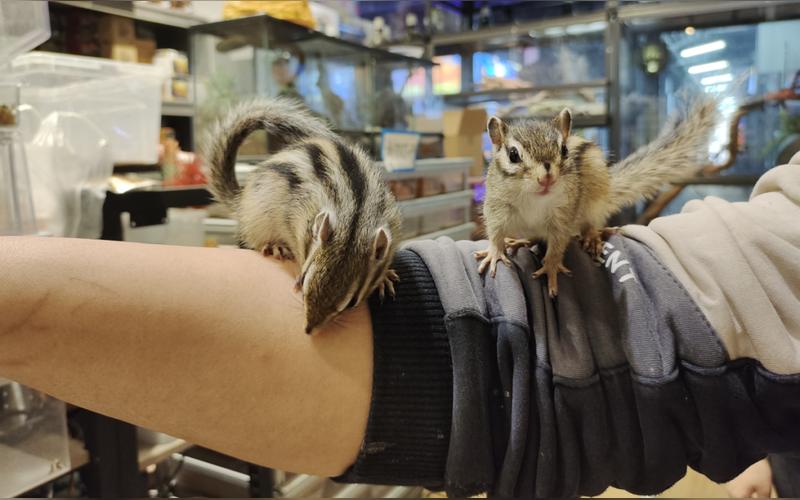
(34, 444)
(404, 189)
(16, 204)
(23, 26)
(409, 227)
(442, 220)
(121, 99)
(443, 183)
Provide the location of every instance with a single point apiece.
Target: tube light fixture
(705, 68)
(711, 80)
(703, 49)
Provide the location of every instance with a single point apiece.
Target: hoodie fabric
(661, 357)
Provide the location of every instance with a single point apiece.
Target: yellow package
(295, 11)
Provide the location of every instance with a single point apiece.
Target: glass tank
(358, 90)
(753, 67)
(528, 73)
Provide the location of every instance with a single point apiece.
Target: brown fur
(562, 186)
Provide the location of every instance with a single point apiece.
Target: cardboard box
(115, 29)
(147, 49)
(463, 135)
(125, 52)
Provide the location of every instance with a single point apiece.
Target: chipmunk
(318, 201)
(545, 184)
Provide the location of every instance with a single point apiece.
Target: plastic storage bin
(23, 26)
(447, 182)
(122, 99)
(34, 446)
(443, 220)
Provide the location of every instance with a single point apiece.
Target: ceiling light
(689, 30)
(554, 31)
(711, 80)
(705, 68)
(703, 49)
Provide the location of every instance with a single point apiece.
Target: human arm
(205, 344)
(754, 482)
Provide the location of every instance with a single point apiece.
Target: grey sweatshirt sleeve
(619, 381)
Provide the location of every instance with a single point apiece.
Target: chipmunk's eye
(513, 155)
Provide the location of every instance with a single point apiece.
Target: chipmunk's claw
(387, 284)
(277, 251)
(514, 244)
(552, 270)
(490, 257)
(592, 240)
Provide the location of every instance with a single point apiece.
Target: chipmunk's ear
(563, 123)
(497, 130)
(380, 247)
(322, 227)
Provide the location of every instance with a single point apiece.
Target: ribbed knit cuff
(408, 431)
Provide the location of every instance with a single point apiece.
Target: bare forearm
(204, 344)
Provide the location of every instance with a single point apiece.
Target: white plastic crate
(24, 24)
(122, 99)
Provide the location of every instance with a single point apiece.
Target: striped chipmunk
(318, 201)
(548, 185)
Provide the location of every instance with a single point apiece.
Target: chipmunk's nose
(547, 166)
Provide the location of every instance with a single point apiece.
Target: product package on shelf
(463, 135)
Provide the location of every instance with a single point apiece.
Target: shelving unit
(137, 11)
(185, 109)
(279, 34)
(533, 48)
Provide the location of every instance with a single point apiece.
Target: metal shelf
(510, 35)
(177, 109)
(430, 204)
(272, 33)
(502, 94)
(139, 12)
(428, 168)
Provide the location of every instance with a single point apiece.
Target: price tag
(399, 149)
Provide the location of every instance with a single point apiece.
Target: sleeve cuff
(408, 431)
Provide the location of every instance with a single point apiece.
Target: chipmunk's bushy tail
(286, 118)
(678, 152)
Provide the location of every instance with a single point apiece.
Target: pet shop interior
(105, 107)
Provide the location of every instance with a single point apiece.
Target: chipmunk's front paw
(490, 257)
(387, 284)
(515, 244)
(552, 270)
(279, 251)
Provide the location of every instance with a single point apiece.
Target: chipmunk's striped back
(319, 201)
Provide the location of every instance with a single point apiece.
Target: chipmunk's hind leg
(592, 239)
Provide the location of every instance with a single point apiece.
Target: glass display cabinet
(531, 71)
(357, 89)
(745, 57)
